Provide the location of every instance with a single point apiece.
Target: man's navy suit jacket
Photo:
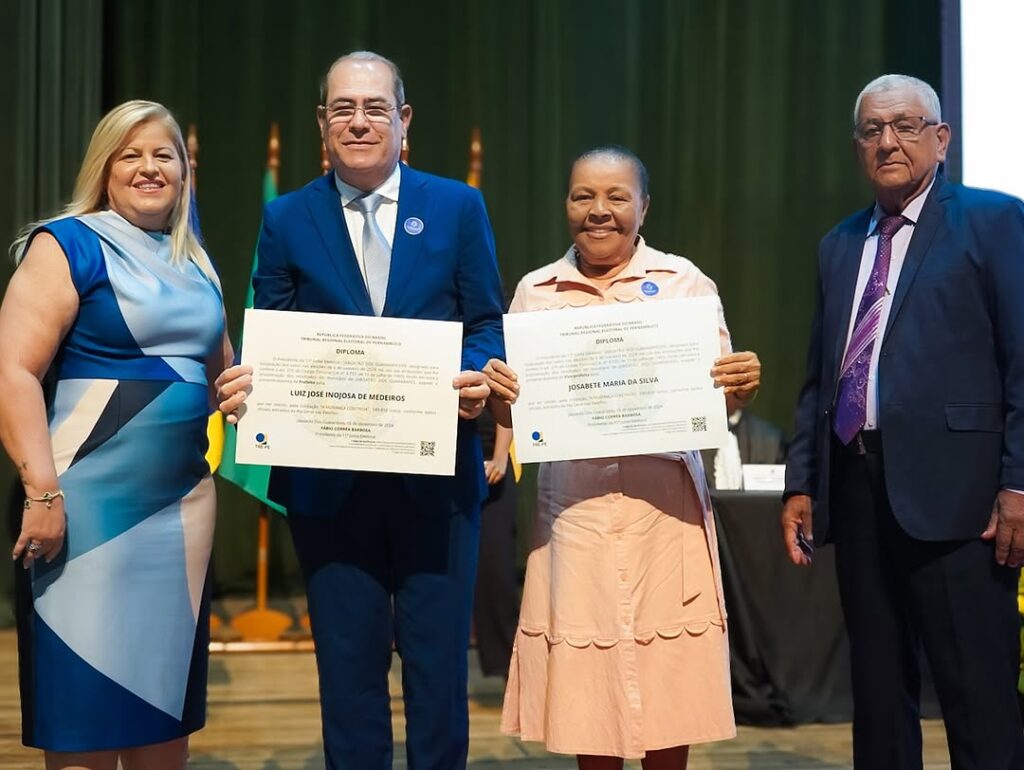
(950, 372)
(444, 271)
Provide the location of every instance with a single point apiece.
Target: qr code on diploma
(699, 424)
(427, 448)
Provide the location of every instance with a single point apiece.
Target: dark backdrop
(741, 109)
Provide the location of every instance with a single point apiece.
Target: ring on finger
(35, 547)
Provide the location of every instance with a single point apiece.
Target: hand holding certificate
(616, 380)
(350, 392)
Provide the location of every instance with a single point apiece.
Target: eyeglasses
(906, 129)
(346, 113)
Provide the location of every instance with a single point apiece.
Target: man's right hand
(796, 515)
(233, 385)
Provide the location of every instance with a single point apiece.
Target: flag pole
(261, 623)
(474, 177)
(274, 153)
(192, 144)
(476, 159)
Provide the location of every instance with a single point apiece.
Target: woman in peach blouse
(621, 649)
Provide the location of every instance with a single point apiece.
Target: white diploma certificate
(350, 392)
(616, 380)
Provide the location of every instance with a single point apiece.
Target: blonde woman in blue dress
(117, 300)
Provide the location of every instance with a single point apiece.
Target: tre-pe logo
(538, 438)
(262, 441)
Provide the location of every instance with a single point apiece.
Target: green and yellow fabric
(251, 478)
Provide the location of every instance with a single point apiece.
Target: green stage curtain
(740, 108)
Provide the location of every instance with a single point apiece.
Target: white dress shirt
(387, 214)
(900, 244)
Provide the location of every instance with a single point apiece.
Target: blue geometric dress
(113, 637)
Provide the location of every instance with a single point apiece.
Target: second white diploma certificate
(616, 380)
(350, 392)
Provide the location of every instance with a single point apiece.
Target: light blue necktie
(376, 252)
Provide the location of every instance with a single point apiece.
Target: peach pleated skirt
(622, 646)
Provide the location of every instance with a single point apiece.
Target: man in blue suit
(909, 445)
(386, 557)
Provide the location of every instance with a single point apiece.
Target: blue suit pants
(384, 568)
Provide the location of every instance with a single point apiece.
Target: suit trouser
(899, 593)
(496, 610)
(384, 568)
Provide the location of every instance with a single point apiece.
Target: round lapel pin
(650, 288)
(413, 225)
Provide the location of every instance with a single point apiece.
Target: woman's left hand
(502, 380)
(740, 375)
(232, 386)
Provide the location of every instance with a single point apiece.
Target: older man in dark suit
(909, 439)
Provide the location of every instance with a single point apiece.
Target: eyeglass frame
(357, 108)
(868, 142)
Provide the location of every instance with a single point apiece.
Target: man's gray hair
(897, 82)
(368, 56)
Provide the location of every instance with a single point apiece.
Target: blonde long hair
(90, 192)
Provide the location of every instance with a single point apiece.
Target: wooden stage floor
(263, 715)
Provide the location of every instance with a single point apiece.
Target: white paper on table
(350, 392)
(616, 380)
(764, 478)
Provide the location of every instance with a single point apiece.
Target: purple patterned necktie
(851, 399)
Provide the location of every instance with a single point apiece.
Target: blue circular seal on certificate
(413, 225)
(650, 288)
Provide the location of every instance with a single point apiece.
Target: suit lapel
(850, 252)
(414, 210)
(324, 206)
(924, 233)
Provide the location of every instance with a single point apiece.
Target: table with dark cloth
(789, 652)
